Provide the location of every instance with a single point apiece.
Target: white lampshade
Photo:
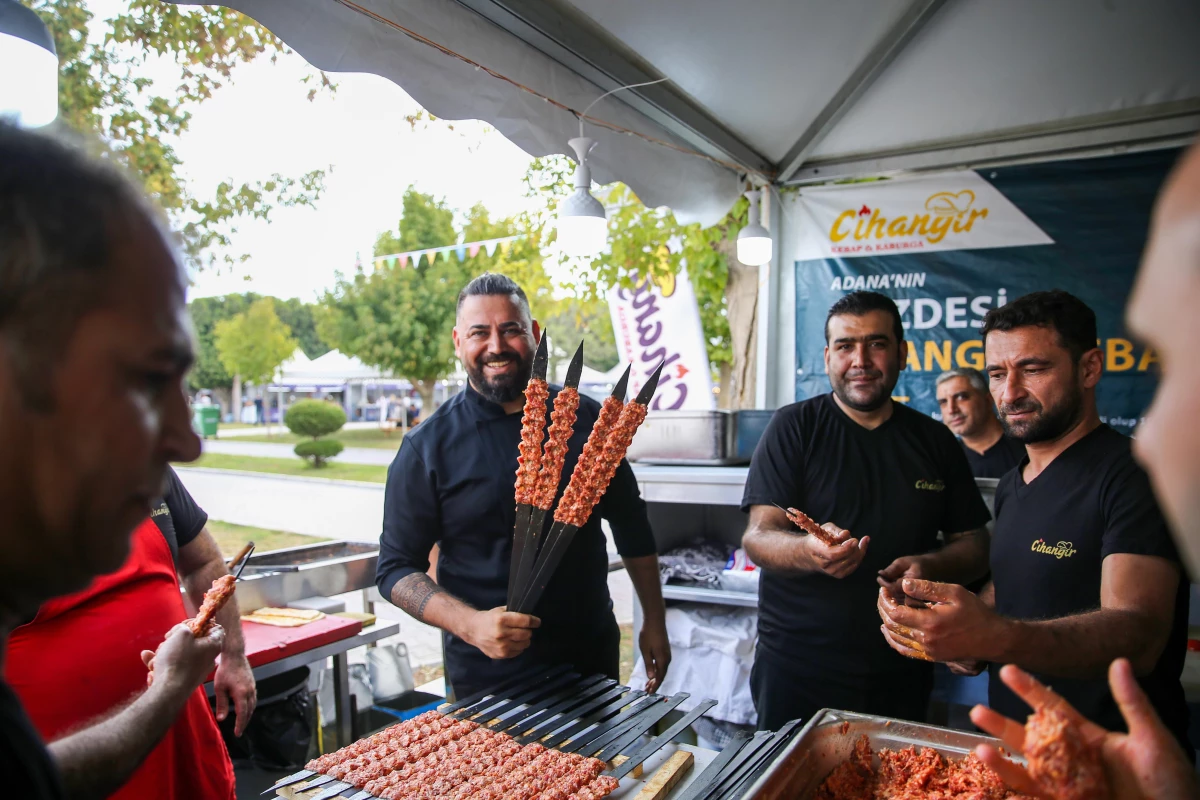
(582, 224)
(754, 246)
(28, 68)
(582, 237)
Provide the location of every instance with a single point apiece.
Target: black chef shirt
(453, 484)
(1050, 539)
(998, 459)
(26, 765)
(900, 484)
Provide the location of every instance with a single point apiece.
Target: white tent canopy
(794, 90)
(332, 369)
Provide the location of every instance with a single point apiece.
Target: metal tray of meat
(828, 740)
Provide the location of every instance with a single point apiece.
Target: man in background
(967, 410)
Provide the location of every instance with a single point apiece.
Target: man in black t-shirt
(1083, 567)
(886, 481)
(967, 409)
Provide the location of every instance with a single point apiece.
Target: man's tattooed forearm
(413, 592)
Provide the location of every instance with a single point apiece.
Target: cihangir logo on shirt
(931, 486)
(1060, 551)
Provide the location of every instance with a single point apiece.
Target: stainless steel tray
(278, 577)
(828, 739)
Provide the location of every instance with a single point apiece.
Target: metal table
(339, 650)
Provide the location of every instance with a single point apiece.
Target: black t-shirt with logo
(998, 459)
(177, 515)
(26, 764)
(901, 484)
(1049, 542)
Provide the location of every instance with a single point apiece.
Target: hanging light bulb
(582, 225)
(754, 241)
(28, 68)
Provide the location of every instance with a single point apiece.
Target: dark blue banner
(1097, 211)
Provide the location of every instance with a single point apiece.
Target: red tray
(267, 643)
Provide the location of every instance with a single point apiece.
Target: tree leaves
(101, 94)
(254, 343)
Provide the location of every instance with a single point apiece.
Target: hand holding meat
(183, 660)
(500, 633)
(1147, 762)
(955, 626)
(838, 560)
(891, 576)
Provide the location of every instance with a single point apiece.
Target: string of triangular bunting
(459, 251)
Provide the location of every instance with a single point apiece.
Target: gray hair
(973, 376)
(58, 212)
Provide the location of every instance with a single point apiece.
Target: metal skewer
(561, 534)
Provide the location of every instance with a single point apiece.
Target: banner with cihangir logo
(922, 214)
(660, 322)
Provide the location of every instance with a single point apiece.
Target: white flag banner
(920, 214)
(656, 323)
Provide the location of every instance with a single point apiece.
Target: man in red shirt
(119, 615)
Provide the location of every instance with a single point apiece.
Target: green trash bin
(205, 419)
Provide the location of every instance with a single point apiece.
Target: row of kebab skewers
(539, 470)
(439, 756)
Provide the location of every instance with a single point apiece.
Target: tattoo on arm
(413, 592)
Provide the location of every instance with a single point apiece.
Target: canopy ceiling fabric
(800, 90)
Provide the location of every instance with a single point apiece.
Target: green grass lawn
(293, 466)
(231, 538)
(356, 437)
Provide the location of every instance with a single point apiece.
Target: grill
(590, 716)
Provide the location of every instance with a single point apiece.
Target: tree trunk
(237, 398)
(725, 397)
(741, 300)
(425, 389)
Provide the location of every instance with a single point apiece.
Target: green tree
(206, 312)
(298, 316)
(726, 291)
(400, 318)
(252, 345)
(103, 94)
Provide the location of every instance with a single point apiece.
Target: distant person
(258, 411)
(94, 347)
(968, 411)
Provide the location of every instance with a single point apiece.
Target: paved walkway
(351, 455)
(336, 510)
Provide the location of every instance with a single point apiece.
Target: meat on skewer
(577, 492)
(562, 423)
(214, 600)
(596, 476)
(806, 524)
(533, 430)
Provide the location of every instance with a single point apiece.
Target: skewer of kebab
(592, 478)
(529, 462)
(562, 423)
(806, 524)
(214, 600)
